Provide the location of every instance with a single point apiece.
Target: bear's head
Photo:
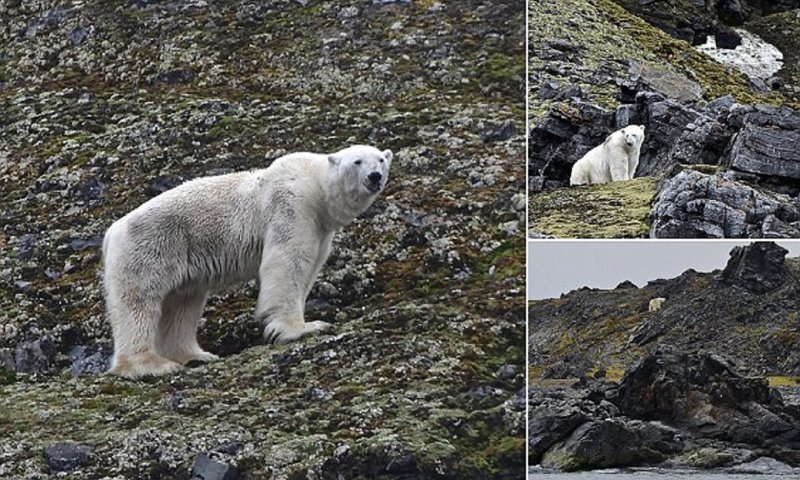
(633, 135)
(362, 170)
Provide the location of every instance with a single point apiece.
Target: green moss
(7, 376)
(612, 210)
(224, 126)
(607, 38)
(502, 67)
(783, 381)
(117, 387)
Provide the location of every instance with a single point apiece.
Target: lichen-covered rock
(697, 205)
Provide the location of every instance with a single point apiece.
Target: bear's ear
(642, 127)
(334, 159)
(387, 154)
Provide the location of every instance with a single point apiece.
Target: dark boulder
(611, 443)
(704, 394)
(758, 267)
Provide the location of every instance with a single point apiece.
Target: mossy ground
(425, 290)
(612, 210)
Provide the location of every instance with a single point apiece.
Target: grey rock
(507, 372)
(173, 77)
(92, 360)
(77, 35)
(765, 465)
(35, 356)
(26, 246)
(402, 464)
(767, 143)
(204, 468)
(66, 457)
(696, 205)
(673, 85)
(499, 133)
(601, 444)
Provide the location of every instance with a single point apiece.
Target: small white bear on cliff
(614, 160)
(276, 224)
(656, 304)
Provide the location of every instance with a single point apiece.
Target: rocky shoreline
(616, 385)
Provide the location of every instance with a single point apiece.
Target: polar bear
(656, 304)
(613, 160)
(162, 259)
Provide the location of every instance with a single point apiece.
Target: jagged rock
(627, 284)
(553, 418)
(758, 267)
(26, 246)
(668, 83)
(767, 143)
(563, 137)
(66, 457)
(704, 394)
(697, 205)
(610, 443)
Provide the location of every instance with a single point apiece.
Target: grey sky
(556, 267)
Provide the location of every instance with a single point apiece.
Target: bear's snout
(375, 177)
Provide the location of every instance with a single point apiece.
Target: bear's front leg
(619, 171)
(284, 274)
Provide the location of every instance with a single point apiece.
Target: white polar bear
(613, 160)
(656, 304)
(162, 259)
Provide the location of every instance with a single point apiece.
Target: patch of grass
(612, 210)
(783, 381)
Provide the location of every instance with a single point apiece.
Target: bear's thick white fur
(162, 259)
(656, 304)
(614, 160)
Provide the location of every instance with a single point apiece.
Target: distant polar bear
(162, 259)
(656, 304)
(613, 160)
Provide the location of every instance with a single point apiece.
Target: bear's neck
(341, 207)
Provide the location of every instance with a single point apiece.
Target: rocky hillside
(718, 143)
(107, 104)
(682, 386)
(753, 300)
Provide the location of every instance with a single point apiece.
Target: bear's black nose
(375, 177)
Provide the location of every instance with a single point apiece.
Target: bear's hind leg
(177, 328)
(134, 322)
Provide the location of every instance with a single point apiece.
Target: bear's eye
(357, 162)
(381, 160)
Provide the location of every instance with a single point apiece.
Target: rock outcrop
(670, 408)
(694, 119)
(759, 267)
